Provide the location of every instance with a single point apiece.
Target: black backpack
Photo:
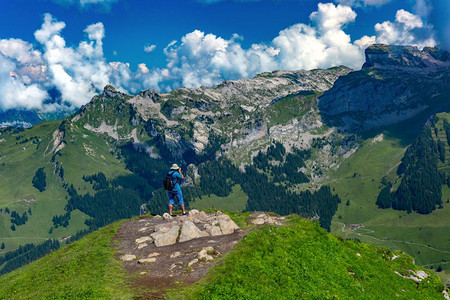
(168, 182)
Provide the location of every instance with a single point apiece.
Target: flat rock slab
(128, 257)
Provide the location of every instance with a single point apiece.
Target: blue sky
(78, 46)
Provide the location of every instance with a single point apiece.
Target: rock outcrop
(184, 228)
(390, 56)
(396, 83)
(262, 218)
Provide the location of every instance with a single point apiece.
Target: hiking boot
(185, 214)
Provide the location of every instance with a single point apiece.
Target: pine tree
(2, 246)
(39, 180)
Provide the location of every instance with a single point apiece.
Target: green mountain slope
(85, 269)
(360, 180)
(296, 260)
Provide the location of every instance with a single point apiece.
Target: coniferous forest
(420, 189)
(26, 254)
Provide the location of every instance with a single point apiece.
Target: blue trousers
(175, 194)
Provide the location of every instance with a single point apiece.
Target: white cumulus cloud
(14, 93)
(206, 59)
(150, 48)
(20, 51)
(408, 29)
(79, 72)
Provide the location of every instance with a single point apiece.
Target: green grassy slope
(359, 181)
(83, 270)
(19, 162)
(234, 202)
(297, 260)
(84, 153)
(303, 261)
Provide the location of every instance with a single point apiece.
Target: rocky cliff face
(233, 117)
(395, 84)
(389, 57)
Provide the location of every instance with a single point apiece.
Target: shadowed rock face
(395, 84)
(390, 56)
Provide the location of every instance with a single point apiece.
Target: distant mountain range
(28, 118)
(322, 143)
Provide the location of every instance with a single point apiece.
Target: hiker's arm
(179, 171)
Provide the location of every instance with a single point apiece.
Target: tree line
(26, 254)
(218, 177)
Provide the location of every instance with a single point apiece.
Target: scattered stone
(158, 217)
(166, 238)
(417, 277)
(357, 254)
(154, 254)
(274, 221)
(204, 254)
(200, 215)
(395, 257)
(166, 216)
(175, 254)
(194, 261)
(143, 229)
(128, 257)
(421, 274)
(177, 264)
(227, 226)
(213, 229)
(146, 260)
(143, 273)
(143, 245)
(143, 240)
(265, 219)
(258, 221)
(193, 212)
(445, 293)
(164, 227)
(189, 231)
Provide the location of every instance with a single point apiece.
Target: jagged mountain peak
(395, 84)
(111, 92)
(393, 56)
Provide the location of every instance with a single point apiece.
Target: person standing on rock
(175, 192)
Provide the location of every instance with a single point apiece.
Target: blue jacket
(176, 177)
